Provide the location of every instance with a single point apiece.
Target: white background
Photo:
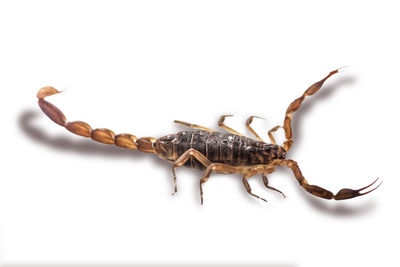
(135, 66)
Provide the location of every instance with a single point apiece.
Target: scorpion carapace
(206, 149)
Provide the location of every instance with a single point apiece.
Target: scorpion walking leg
(195, 126)
(223, 126)
(248, 188)
(217, 167)
(185, 157)
(271, 137)
(266, 183)
(248, 122)
(344, 193)
(295, 105)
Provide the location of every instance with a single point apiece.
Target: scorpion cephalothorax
(209, 150)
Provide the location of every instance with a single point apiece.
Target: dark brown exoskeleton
(209, 150)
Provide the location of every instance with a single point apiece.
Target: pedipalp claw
(347, 193)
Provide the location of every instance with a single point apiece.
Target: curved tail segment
(81, 128)
(295, 105)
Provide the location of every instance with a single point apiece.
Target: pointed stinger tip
(46, 91)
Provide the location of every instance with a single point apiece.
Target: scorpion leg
(271, 137)
(248, 188)
(216, 167)
(185, 157)
(295, 105)
(344, 193)
(266, 183)
(248, 122)
(195, 126)
(223, 126)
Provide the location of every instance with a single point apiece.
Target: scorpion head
(269, 152)
(281, 153)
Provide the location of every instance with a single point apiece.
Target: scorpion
(212, 151)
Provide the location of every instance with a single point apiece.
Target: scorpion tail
(81, 128)
(295, 105)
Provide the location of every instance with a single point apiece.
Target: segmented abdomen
(217, 147)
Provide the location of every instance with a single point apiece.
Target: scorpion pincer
(212, 151)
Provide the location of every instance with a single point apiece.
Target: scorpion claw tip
(342, 68)
(376, 187)
(350, 193)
